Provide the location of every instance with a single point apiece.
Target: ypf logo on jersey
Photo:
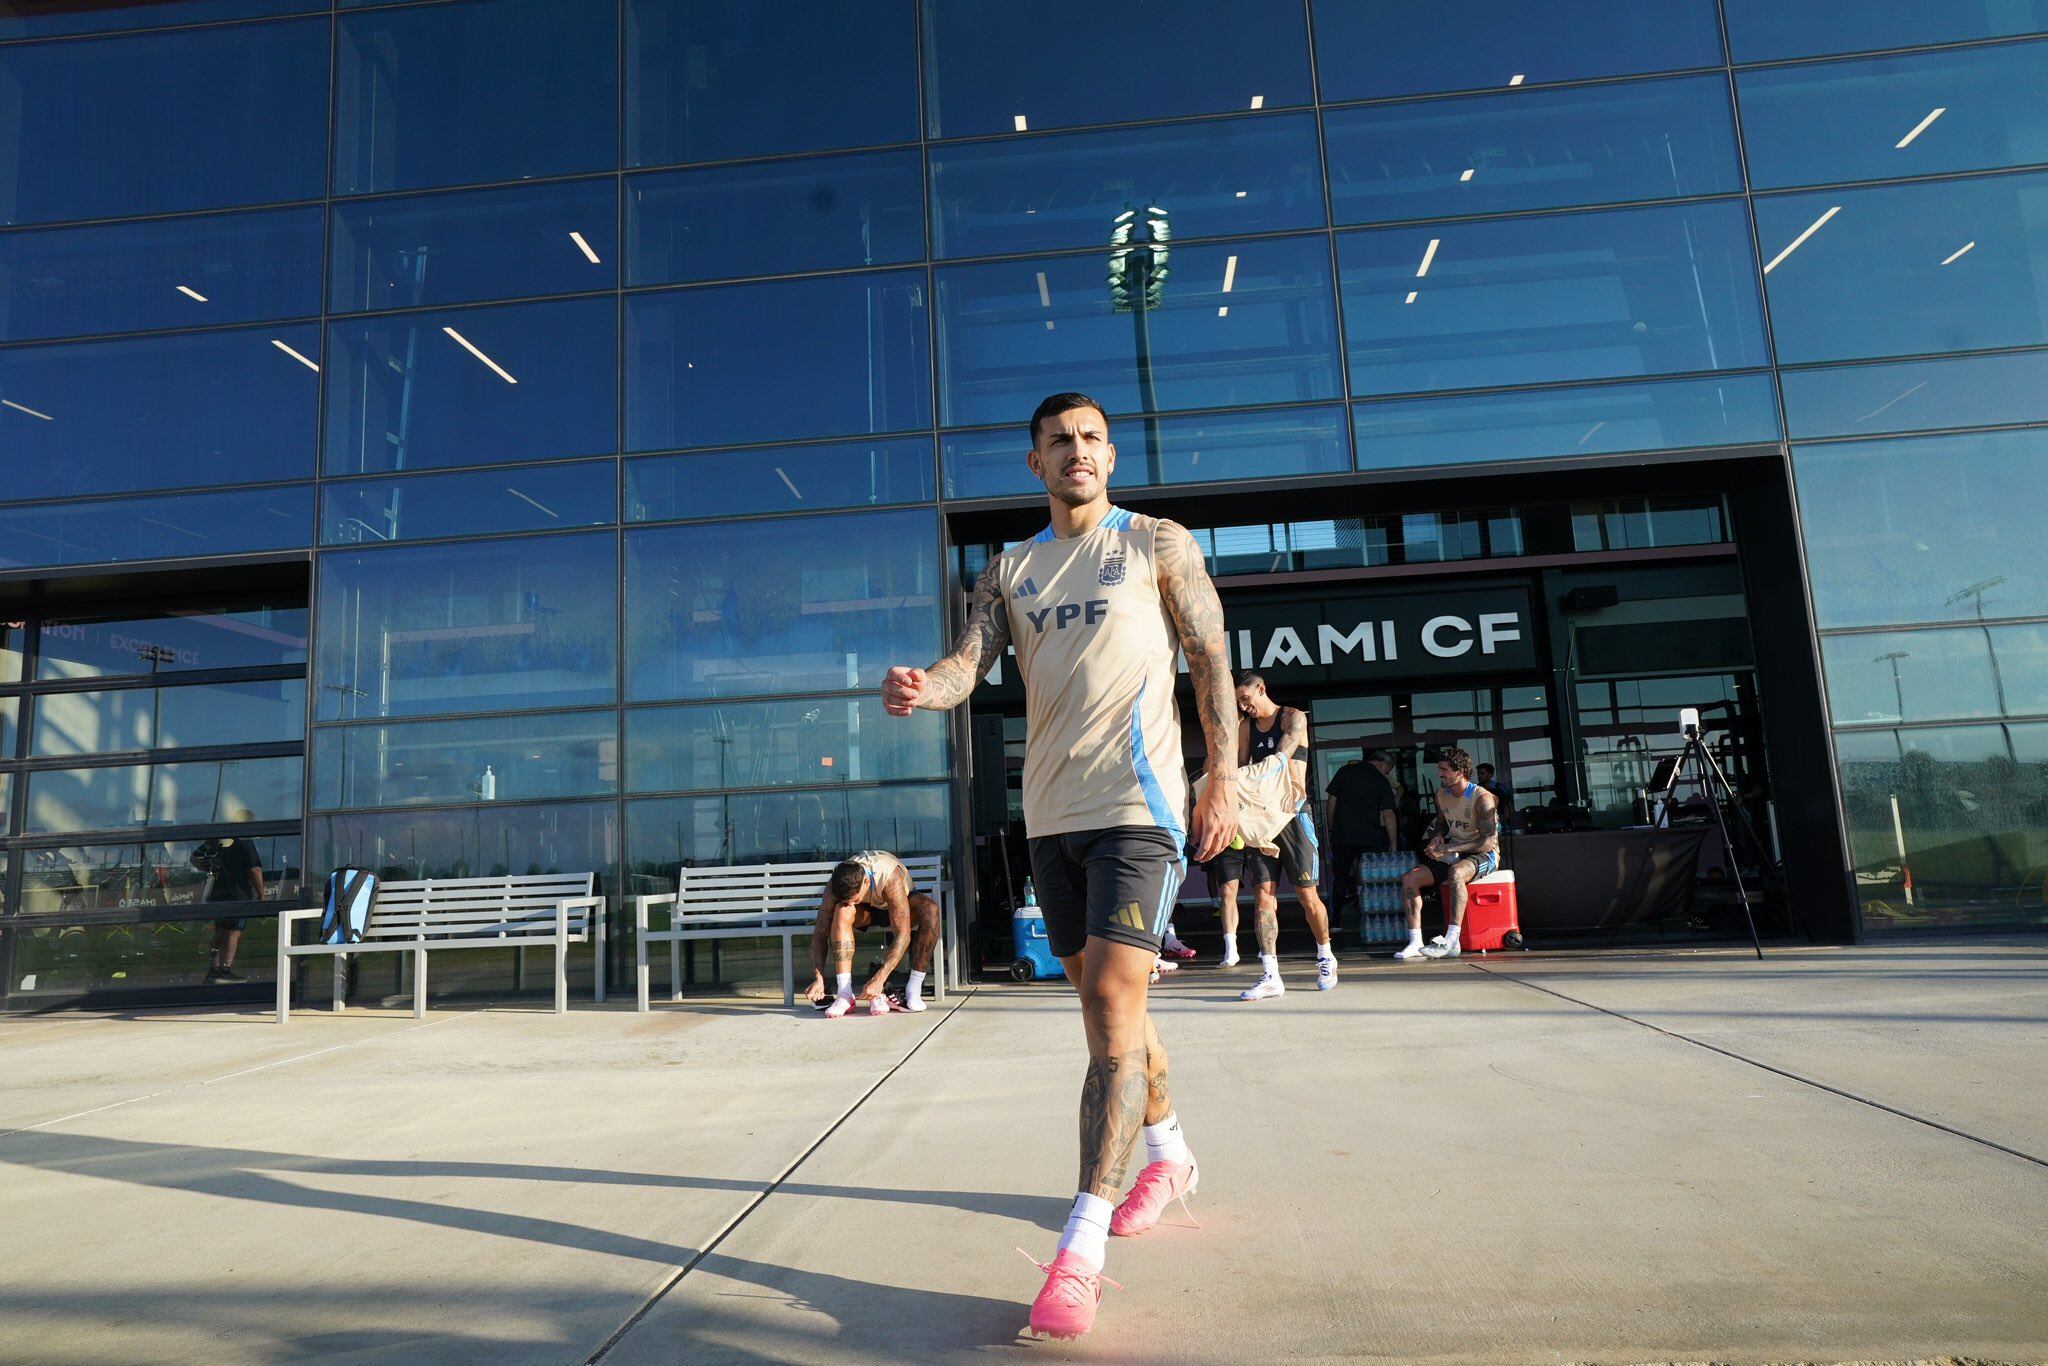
(1112, 572)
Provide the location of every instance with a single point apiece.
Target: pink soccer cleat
(1066, 1307)
(840, 1005)
(878, 1005)
(1159, 1185)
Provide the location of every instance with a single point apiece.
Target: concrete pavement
(1832, 1155)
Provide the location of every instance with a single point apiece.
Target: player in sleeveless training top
(1096, 606)
(1269, 728)
(1462, 843)
(872, 881)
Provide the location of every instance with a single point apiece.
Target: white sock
(1164, 1143)
(1324, 951)
(1415, 936)
(1230, 946)
(1087, 1230)
(1451, 933)
(913, 986)
(1269, 963)
(844, 985)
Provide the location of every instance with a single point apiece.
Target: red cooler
(1490, 913)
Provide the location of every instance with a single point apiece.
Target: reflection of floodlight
(1898, 688)
(1138, 258)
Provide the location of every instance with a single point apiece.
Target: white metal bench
(528, 911)
(761, 900)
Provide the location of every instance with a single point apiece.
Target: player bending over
(862, 891)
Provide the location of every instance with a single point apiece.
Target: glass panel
(1892, 676)
(123, 416)
(170, 718)
(1627, 725)
(1959, 809)
(1886, 118)
(158, 875)
(1011, 332)
(1641, 523)
(488, 626)
(1216, 179)
(808, 604)
(57, 961)
(475, 387)
(476, 244)
(1593, 420)
(482, 90)
(1169, 450)
(10, 709)
(1759, 30)
(178, 272)
(488, 841)
(779, 218)
(11, 643)
(189, 793)
(1911, 530)
(423, 507)
(780, 744)
(251, 638)
(42, 18)
(1542, 149)
(180, 526)
(991, 66)
(784, 479)
(499, 758)
(1926, 395)
(755, 827)
(718, 80)
(1368, 50)
(777, 362)
(1903, 269)
(204, 118)
(1569, 296)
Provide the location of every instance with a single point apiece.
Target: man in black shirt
(235, 873)
(1360, 811)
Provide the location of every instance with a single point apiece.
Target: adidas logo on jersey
(1026, 589)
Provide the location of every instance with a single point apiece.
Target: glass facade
(617, 363)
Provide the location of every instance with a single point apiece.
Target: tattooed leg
(1158, 1101)
(1267, 918)
(924, 932)
(1116, 1091)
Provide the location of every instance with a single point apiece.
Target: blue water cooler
(1034, 962)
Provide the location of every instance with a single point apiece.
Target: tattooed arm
(947, 683)
(1197, 616)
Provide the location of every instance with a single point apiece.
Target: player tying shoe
(1095, 606)
(867, 883)
(1462, 843)
(1269, 728)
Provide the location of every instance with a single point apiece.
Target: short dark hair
(1378, 756)
(849, 880)
(1248, 678)
(1457, 759)
(1488, 767)
(1054, 404)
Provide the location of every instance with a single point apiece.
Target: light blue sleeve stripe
(1169, 895)
(1044, 535)
(1163, 815)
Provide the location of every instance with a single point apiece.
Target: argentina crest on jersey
(1112, 572)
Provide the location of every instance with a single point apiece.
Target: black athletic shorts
(1300, 858)
(1442, 871)
(1117, 884)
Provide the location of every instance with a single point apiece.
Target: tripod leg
(1734, 859)
(1763, 850)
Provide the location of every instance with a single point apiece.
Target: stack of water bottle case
(1382, 918)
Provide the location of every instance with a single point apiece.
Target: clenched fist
(900, 690)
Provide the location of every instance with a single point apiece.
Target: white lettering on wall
(1285, 648)
(1388, 649)
(1359, 639)
(1496, 628)
(1435, 626)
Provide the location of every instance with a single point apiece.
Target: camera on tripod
(1689, 723)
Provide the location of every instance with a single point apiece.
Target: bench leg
(675, 969)
(419, 984)
(640, 970)
(340, 982)
(561, 977)
(789, 971)
(519, 968)
(599, 941)
(284, 973)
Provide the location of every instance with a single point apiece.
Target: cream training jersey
(1460, 813)
(1097, 654)
(882, 869)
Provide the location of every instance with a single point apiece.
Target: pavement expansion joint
(726, 1230)
(1767, 1067)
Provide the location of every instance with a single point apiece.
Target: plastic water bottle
(1030, 893)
